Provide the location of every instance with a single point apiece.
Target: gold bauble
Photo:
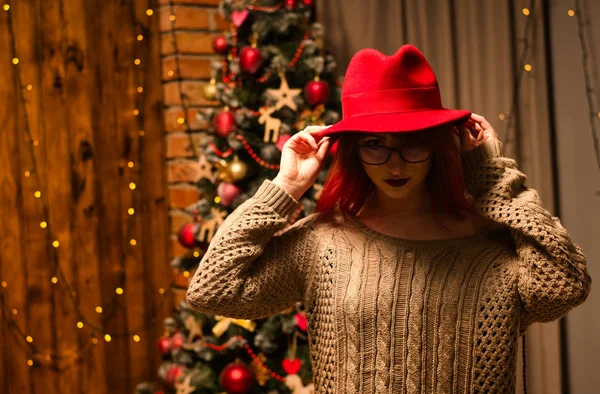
(232, 171)
(237, 170)
(210, 91)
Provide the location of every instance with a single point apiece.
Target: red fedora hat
(398, 93)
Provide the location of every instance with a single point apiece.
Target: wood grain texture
(78, 55)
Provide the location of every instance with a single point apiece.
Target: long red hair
(348, 186)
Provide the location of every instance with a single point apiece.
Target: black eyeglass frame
(390, 152)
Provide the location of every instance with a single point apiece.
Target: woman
(428, 256)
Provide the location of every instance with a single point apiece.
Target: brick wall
(195, 24)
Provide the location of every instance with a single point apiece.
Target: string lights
(183, 120)
(29, 344)
(523, 67)
(594, 113)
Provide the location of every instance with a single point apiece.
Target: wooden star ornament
(284, 95)
(185, 387)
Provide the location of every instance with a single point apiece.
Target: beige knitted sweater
(390, 315)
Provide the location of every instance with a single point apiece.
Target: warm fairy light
(526, 11)
(131, 211)
(15, 60)
(48, 357)
(140, 89)
(140, 37)
(196, 253)
(6, 7)
(118, 290)
(136, 338)
(527, 67)
(132, 186)
(171, 18)
(55, 244)
(54, 279)
(136, 112)
(137, 62)
(571, 12)
(99, 309)
(36, 143)
(79, 324)
(142, 133)
(95, 341)
(130, 164)
(4, 284)
(217, 199)
(180, 120)
(43, 224)
(501, 116)
(133, 242)
(149, 12)
(161, 291)
(107, 338)
(30, 362)
(171, 73)
(29, 339)
(186, 273)
(29, 87)
(37, 194)
(14, 312)
(27, 173)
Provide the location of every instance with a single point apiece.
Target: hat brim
(398, 122)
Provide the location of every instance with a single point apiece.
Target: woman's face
(386, 176)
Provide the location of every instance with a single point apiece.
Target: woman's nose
(396, 160)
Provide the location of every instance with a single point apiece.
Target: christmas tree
(275, 79)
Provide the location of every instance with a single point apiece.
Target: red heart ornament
(291, 366)
(238, 17)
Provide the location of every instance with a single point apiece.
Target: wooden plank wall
(71, 136)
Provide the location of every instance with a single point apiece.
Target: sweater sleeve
(248, 272)
(552, 271)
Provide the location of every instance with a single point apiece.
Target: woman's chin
(395, 192)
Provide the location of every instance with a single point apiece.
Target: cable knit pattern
(391, 315)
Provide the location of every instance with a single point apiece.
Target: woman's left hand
(474, 132)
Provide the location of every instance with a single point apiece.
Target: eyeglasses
(377, 155)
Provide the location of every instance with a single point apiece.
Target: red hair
(348, 186)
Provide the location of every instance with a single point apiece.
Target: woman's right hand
(302, 158)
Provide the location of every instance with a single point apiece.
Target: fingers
(315, 131)
(308, 139)
(323, 149)
(481, 121)
(465, 134)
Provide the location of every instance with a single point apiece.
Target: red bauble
(250, 59)
(228, 192)
(316, 92)
(290, 4)
(308, 3)
(173, 372)
(164, 345)
(291, 366)
(187, 235)
(176, 340)
(236, 378)
(220, 45)
(224, 123)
